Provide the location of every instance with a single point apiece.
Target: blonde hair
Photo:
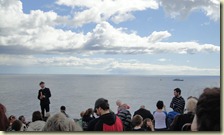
(191, 105)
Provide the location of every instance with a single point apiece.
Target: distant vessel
(178, 79)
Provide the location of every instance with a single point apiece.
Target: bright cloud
(102, 10)
(182, 8)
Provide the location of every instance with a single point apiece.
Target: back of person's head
(22, 118)
(102, 103)
(63, 108)
(88, 112)
(82, 114)
(59, 122)
(137, 120)
(37, 116)
(3, 118)
(118, 103)
(191, 105)
(208, 110)
(12, 118)
(125, 106)
(142, 107)
(145, 122)
(159, 104)
(16, 125)
(178, 90)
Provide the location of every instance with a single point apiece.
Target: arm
(38, 95)
(171, 104)
(49, 94)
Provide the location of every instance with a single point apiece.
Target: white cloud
(36, 31)
(106, 65)
(162, 59)
(182, 8)
(102, 10)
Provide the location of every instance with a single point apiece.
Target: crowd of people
(197, 114)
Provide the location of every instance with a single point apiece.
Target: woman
(4, 123)
(148, 125)
(37, 123)
(180, 120)
(160, 117)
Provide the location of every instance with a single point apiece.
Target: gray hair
(59, 122)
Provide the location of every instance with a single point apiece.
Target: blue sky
(137, 37)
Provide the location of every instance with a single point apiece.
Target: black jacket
(47, 93)
(144, 113)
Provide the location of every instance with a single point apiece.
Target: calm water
(79, 92)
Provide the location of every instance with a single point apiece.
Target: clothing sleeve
(38, 96)
(171, 103)
(49, 93)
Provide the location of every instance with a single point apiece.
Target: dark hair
(3, 119)
(11, 117)
(89, 112)
(37, 116)
(102, 103)
(178, 90)
(16, 125)
(42, 83)
(137, 120)
(21, 117)
(63, 108)
(208, 110)
(160, 104)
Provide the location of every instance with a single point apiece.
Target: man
(178, 102)
(144, 113)
(107, 120)
(43, 95)
(63, 109)
(125, 116)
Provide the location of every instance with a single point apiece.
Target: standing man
(178, 102)
(43, 95)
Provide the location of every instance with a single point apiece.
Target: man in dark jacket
(107, 120)
(144, 113)
(43, 95)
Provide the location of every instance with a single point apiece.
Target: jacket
(36, 126)
(47, 93)
(106, 122)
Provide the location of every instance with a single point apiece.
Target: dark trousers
(43, 108)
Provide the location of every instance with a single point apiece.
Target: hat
(101, 102)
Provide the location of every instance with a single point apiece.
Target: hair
(88, 112)
(103, 104)
(16, 125)
(37, 116)
(159, 104)
(21, 117)
(137, 120)
(145, 123)
(142, 107)
(3, 121)
(63, 108)
(41, 83)
(118, 102)
(11, 117)
(178, 90)
(82, 114)
(191, 105)
(208, 110)
(59, 122)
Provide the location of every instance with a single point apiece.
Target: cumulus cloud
(106, 65)
(102, 10)
(182, 8)
(36, 32)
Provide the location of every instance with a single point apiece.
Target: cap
(101, 102)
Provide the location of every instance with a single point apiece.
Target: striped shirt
(178, 104)
(125, 117)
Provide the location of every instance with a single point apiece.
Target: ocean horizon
(79, 92)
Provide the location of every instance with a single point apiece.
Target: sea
(79, 92)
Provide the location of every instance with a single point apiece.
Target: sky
(128, 37)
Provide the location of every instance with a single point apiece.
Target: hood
(36, 126)
(109, 118)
